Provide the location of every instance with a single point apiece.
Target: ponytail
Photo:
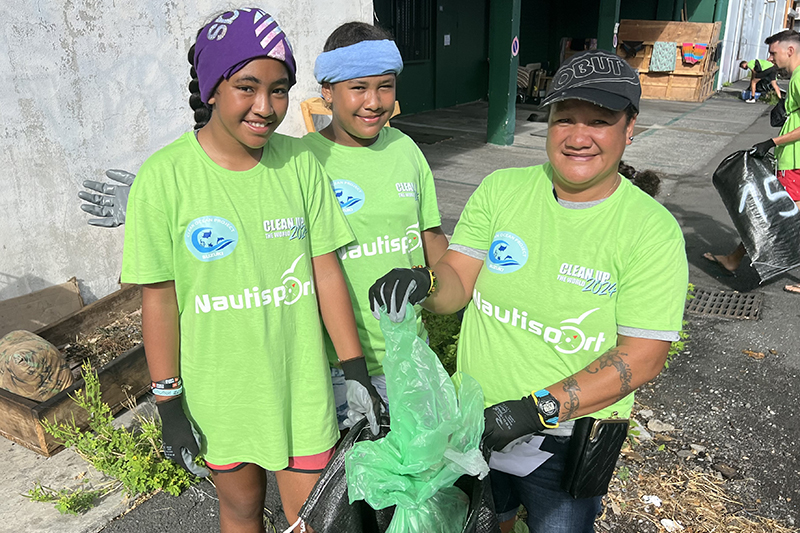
(647, 180)
(202, 112)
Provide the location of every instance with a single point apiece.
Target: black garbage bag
(328, 510)
(766, 217)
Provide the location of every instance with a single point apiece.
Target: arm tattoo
(613, 358)
(570, 407)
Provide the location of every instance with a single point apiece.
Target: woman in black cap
(577, 281)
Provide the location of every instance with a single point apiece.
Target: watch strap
(545, 396)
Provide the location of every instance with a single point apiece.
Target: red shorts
(308, 464)
(790, 179)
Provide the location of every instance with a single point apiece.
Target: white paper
(520, 459)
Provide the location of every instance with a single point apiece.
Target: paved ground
(713, 392)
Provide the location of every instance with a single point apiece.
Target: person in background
(762, 72)
(784, 52)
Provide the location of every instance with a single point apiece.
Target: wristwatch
(548, 408)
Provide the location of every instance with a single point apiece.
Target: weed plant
(131, 456)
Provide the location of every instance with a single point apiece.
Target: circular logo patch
(211, 238)
(508, 253)
(350, 196)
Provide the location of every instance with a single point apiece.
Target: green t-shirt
(788, 155)
(557, 284)
(763, 65)
(239, 247)
(387, 192)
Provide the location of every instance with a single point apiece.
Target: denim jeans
(550, 509)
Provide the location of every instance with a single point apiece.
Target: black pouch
(777, 116)
(593, 452)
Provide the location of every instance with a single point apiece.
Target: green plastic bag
(434, 439)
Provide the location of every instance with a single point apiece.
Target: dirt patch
(105, 343)
(718, 441)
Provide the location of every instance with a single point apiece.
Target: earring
(630, 139)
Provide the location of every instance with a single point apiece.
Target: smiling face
(585, 143)
(247, 108)
(360, 107)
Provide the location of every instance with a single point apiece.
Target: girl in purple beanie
(232, 231)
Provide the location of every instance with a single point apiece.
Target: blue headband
(367, 58)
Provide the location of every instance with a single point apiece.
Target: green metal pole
(720, 15)
(503, 62)
(607, 20)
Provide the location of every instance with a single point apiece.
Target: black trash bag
(327, 509)
(766, 217)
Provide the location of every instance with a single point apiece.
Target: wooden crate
(127, 373)
(689, 83)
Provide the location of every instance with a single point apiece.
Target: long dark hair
(351, 33)
(202, 111)
(647, 180)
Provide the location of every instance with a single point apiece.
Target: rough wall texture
(90, 85)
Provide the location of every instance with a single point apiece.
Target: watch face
(548, 407)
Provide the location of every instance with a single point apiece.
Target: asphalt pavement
(745, 407)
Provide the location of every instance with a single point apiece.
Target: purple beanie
(226, 44)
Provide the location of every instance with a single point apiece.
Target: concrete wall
(90, 85)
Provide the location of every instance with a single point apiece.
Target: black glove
(507, 421)
(397, 288)
(761, 149)
(112, 202)
(357, 377)
(181, 441)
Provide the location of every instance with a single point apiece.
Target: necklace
(611, 190)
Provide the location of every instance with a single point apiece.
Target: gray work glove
(111, 203)
(362, 398)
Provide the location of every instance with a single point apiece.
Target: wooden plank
(18, 423)
(126, 300)
(125, 374)
(37, 309)
(660, 30)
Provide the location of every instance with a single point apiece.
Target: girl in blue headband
(381, 178)
(232, 231)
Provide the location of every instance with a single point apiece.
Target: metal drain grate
(739, 305)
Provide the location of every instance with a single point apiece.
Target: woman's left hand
(507, 421)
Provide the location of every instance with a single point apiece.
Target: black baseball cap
(598, 77)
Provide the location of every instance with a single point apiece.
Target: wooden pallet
(21, 420)
(689, 83)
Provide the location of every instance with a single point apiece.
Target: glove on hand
(362, 398)
(507, 421)
(396, 289)
(181, 441)
(111, 203)
(761, 149)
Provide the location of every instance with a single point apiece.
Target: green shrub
(131, 456)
